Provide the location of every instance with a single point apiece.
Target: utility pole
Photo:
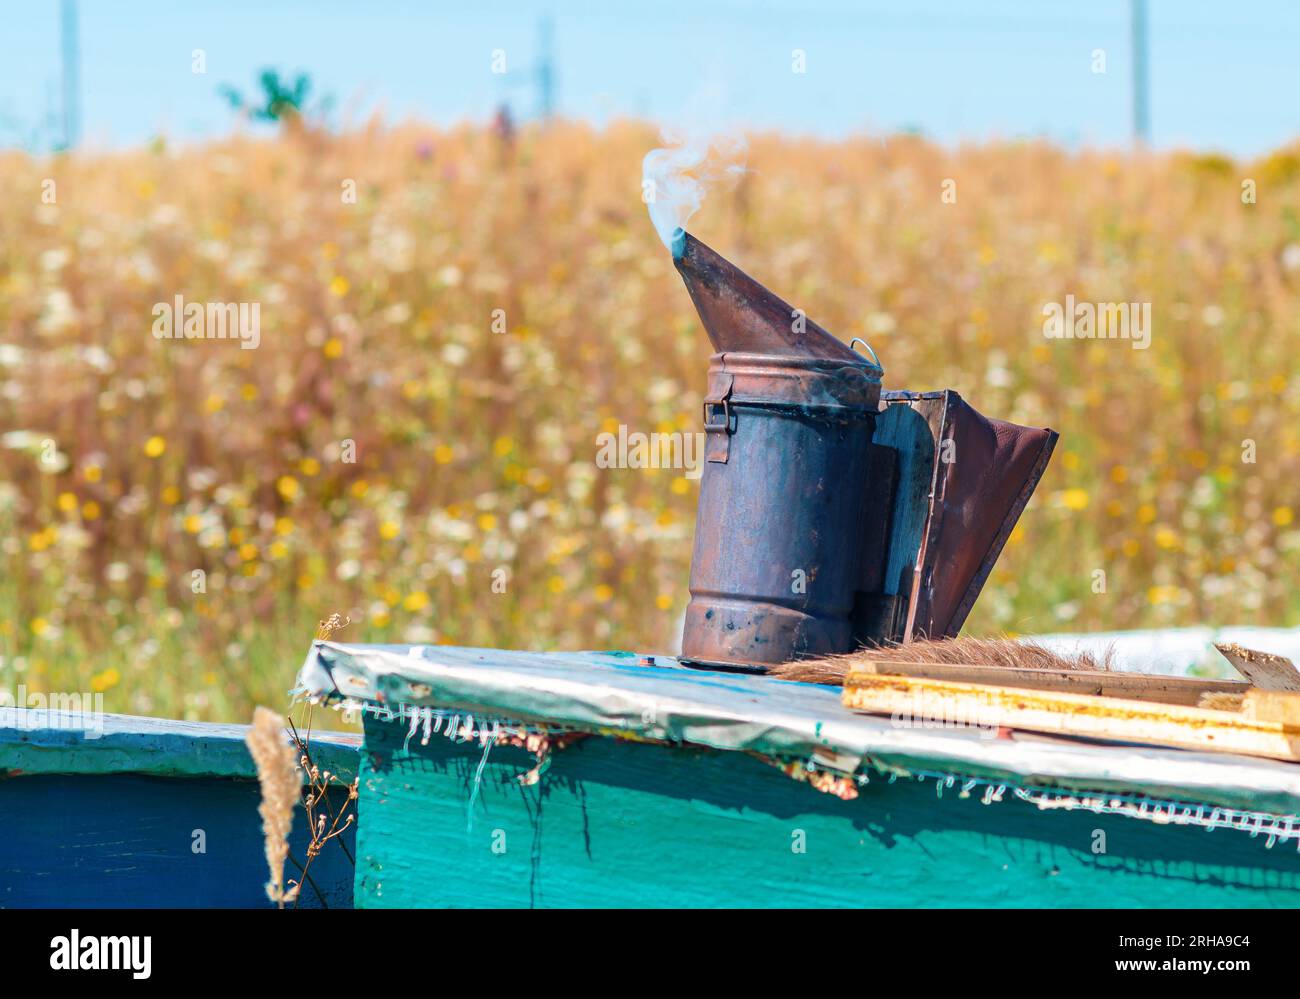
(545, 70)
(1141, 79)
(71, 76)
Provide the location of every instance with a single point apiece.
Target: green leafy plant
(281, 100)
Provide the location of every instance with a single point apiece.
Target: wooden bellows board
(1259, 716)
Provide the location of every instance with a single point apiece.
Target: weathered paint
(666, 702)
(90, 841)
(615, 823)
(32, 743)
(113, 810)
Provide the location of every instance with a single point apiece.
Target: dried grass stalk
(277, 772)
(955, 651)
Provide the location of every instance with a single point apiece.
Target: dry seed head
(331, 625)
(277, 773)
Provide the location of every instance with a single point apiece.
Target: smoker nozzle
(740, 315)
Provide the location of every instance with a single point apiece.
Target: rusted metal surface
(788, 416)
(983, 473)
(877, 607)
(739, 314)
(825, 520)
(779, 520)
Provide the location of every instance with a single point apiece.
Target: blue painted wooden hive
(108, 810)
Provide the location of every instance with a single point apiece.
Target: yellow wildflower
(416, 601)
(1158, 595)
(101, 682)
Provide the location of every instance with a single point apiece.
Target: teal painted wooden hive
(493, 778)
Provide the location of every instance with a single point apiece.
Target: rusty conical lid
(739, 314)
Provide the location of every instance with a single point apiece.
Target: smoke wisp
(676, 176)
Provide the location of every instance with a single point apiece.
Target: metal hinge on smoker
(718, 418)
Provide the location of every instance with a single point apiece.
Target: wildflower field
(412, 443)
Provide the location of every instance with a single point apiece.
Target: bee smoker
(788, 419)
(829, 518)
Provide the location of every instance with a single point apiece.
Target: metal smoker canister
(777, 538)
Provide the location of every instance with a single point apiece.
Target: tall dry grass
(128, 463)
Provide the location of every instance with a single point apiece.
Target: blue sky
(1223, 75)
